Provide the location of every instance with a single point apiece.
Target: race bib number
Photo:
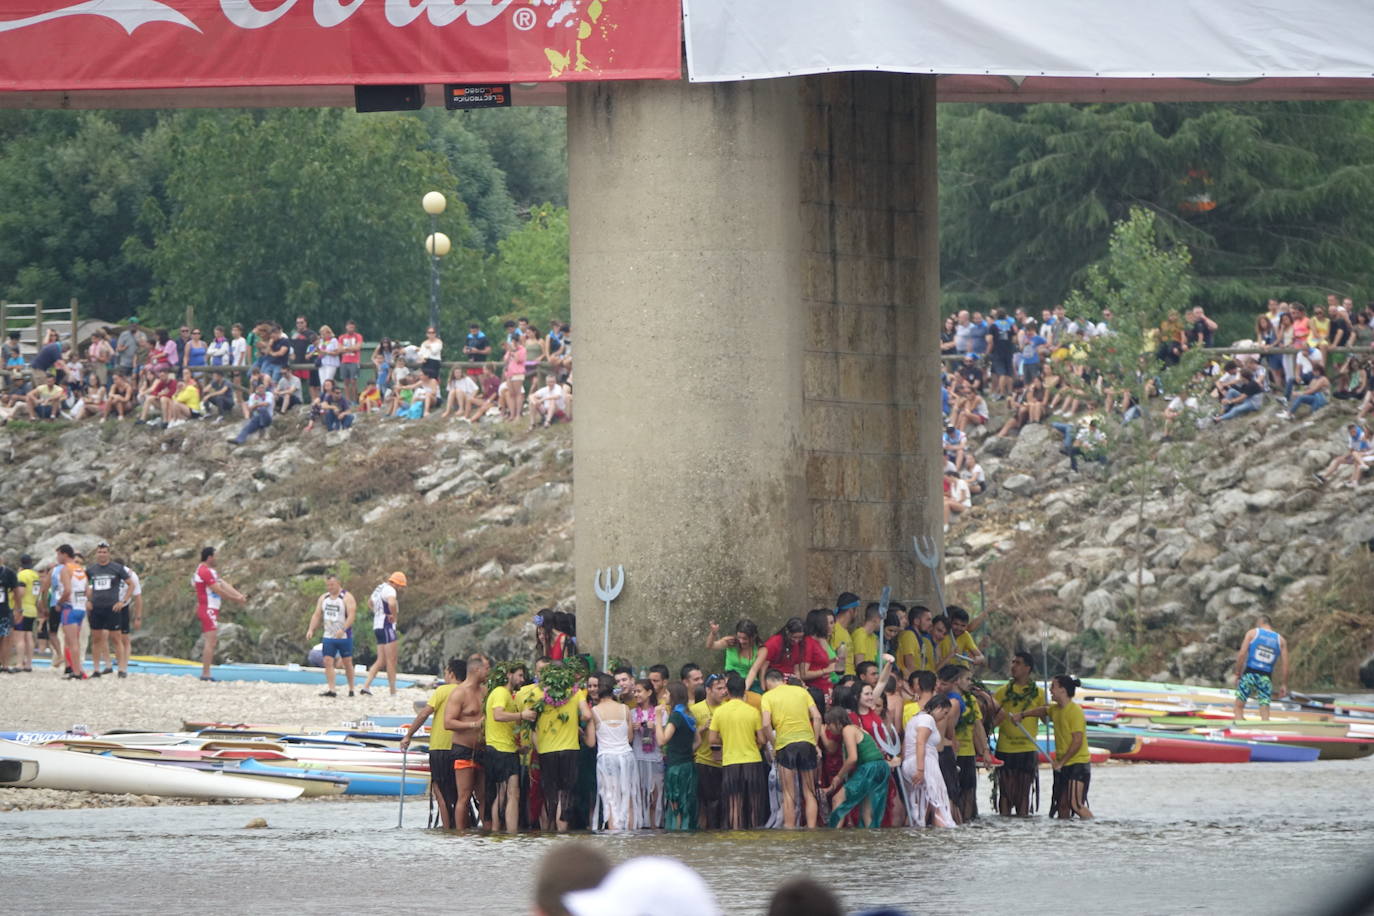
(103, 583)
(1265, 655)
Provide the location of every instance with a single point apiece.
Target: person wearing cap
(846, 605)
(384, 612)
(647, 886)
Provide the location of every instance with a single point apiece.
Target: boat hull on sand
(58, 769)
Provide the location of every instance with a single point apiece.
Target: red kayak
(1180, 750)
(1331, 748)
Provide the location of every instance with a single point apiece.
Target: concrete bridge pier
(755, 282)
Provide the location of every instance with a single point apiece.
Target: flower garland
(1021, 700)
(559, 685)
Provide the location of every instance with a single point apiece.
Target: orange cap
(398, 578)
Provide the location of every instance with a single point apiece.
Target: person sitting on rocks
(120, 398)
(1359, 456)
(287, 393)
(551, 401)
(1314, 396)
(1246, 397)
(258, 410)
(163, 388)
(955, 444)
(971, 409)
(976, 478)
(462, 390)
(956, 495)
(219, 395)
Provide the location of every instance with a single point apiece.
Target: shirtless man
(336, 611)
(464, 716)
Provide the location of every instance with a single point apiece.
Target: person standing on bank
(106, 577)
(1260, 651)
(335, 611)
(383, 603)
(464, 717)
(441, 782)
(1021, 706)
(1072, 767)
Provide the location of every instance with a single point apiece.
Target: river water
(1254, 839)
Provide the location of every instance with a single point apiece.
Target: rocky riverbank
(481, 519)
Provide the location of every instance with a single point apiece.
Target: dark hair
(544, 658)
(874, 609)
(818, 623)
(916, 611)
(1068, 682)
(950, 673)
(846, 601)
(734, 684)
(748, 628)
(954, 612)
(941, 619)
(862, 668)
(891, 685)
(205, 553)
(458, 668)
(660, 670)
(939, 701)
(846, 698)
(892, 620)
(648, 686)
(604, 684)
(838, 714)
(687, 669)
(793, 625)
(623, 669)
(518, 666)
(896, 606)
(677, 693)
(924, 681)
(773, 674)
(67, 549)
(698, 692)
(847, 680)
(1025, 657)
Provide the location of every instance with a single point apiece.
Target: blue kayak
(1260, 751)
(417, 783)
(270, 674)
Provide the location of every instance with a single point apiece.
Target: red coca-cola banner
(155, 44)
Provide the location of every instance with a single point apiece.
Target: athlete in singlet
(106, 577)
(131, 596)
(383, 603)
(335, 611)
(464, 716)
(1262, 650)
(210, 589)
(71, 605)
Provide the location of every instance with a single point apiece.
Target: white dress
(930, 794)
(617, 775)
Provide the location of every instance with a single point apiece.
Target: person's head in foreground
(648, 886)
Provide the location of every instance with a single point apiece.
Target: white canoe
(90, 773)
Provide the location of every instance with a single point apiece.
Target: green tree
(1270, 198)
(531, 146)
(1146, 287)
(532, 270)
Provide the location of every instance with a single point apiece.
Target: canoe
(271, 674)
(312, 785)
(13, 770)
(1115, 740)
(1330, 747)
(1272, 726)
(417, 783)
(1095, 754)
(58, 769)
(1260, 752)
(1179, 750)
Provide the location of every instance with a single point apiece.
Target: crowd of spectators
(1037, 368)
(153, 377)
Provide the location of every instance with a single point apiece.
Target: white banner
(1217, 39)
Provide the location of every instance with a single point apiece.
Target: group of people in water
(856, 716)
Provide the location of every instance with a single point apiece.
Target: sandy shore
(44, 701)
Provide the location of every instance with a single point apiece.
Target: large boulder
(1036, 448)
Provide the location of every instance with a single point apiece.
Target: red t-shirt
(773, 645)
(205, 577)
(351, 340)
(815, 656)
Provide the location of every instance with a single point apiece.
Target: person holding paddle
(1021, 706)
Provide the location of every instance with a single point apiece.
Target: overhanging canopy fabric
(1044, 40)
(66, 45)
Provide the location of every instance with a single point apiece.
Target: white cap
(648, 886)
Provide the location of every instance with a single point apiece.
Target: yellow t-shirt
(500, 735)
(1009, 737)
(738, 723)
(29, 588)
(864, 643)
(909, 644)
(190, 396)
(965, 645)
(1067, 720)
(701, 712)
(556, 729)
(839, 636)
(963, 733)
(440, 738)
(790, 708)
(910, 711)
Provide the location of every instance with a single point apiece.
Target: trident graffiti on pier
(608, 593)
(928, 553)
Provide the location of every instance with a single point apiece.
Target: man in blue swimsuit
(1260, 651)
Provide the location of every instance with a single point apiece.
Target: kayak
(1330, 748)
(271, 674)
(312, 785)
(58, 769)
(13, 770)
(416, 783)
(1260, 752)
(1182, 750)
(1114, 740)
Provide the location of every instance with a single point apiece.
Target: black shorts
(949, 771)
(26, 624)
(500, 766)
(1074, 772)
(1001, 363)
(799, 755)
(558, 771)
(122, 621)
(749, 781)
(441, 775)
(967, 768)
(709, 793)
(103, 618)
(54, 620)
(1019, 761)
